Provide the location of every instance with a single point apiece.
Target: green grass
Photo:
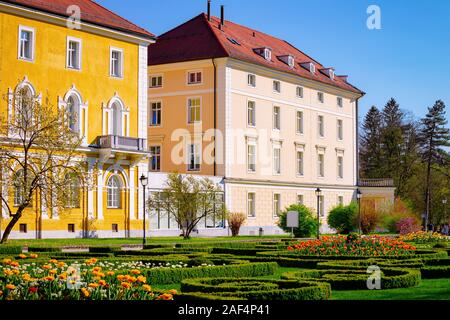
(119, 242)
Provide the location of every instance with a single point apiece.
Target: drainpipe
(215, 112)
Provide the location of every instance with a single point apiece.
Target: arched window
(24, 106)
(116, 119)
(18, 188)
(113, 188)
(73, 190)
(73, 110)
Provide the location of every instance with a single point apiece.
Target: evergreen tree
(434, 135)
(370, 149)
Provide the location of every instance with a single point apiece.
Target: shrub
(10, 249)
(391, 214)
(254, 289)
(435, 272)
(235, 221)
(370, 219)
(307, 223)
(168, 276)
(341, 218)
(407, 225)
(424, 237)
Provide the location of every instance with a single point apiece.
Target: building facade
(257, 115)
(79, 55)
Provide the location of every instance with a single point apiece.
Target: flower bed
(423, 237)
(253, 289)
(371, 246)
(91, 280)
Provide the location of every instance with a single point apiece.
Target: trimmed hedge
(238, 251)
(345, 279)
(435, 272)
(10, 249)
(169, 276)
(363, 264)
(253, 289)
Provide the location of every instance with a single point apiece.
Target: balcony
(121, 143)
(380, 183)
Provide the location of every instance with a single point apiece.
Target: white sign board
(292, 219)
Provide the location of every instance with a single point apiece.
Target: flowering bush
(91, 280)
(423, 237)
(364, 246)
(407, 225)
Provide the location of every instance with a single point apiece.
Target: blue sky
(409, 58)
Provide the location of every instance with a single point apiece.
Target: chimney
(222, 16)
(209, 10)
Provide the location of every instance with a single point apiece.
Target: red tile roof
(91, 12)
(202, 39)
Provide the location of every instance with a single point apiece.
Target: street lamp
(318, 194)
(144, 183)
(358, 197)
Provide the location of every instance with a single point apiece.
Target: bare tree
(188, 200)
(38, 158)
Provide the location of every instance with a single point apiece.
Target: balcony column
(100, 192)
(132, 193)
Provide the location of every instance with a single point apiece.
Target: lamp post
(144, 183)
(318, 194)
(358, 197)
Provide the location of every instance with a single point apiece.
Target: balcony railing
(121, 143)
(376, 183)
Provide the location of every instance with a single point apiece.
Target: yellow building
(97, 66)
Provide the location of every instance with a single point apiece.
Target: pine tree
(434, 135)
(370, 151)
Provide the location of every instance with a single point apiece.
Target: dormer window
(311, 67)
(328, 72)
(264, 52)
(289, 60)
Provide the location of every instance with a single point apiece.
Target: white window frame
(111, 50)
(302, 196)
(299, 125)
(320, 96)
(301, 90)
(340, 166)
(300, 170)
(33, 43)
(322, 206)
(251, 144)
(153, 76)
(276, 169)
(251, 215)
(150, 112)
(339, 202)
(197, 151)
(276, 120)
(111, 201)
(252, 123)
(276, 83)
(321, 165)
(267, 54)
(188, 107)
(196, 72)
(249, 83)
(321, 126)
(151, 156)
(276, 208)
(340, 102)
(340, 129)
(80, 50)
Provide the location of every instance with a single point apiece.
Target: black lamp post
(318, 194)
(358, 197)
(144, 183)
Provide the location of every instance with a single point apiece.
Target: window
(26, 43)
(320, 97)
(276, 118)
(73, 110)
(194, 157)
(116, 119)
(73, 53)
(23, 228)
(321, 206)
(251, 212)
(115, 228)
(340, 130)
(116, 63)
(291, 61)
(71, 228)
(73, 191)
(340, 102)
(251, 114)
(195, 77)
(320, 126)
(155, 158)
(276, 205)
(194, 106)
(156, 81)
(276, 86)
(267, 54)
(155, 114)
(340, 167)
(300, 199)
(18, 188)
(113, 188)
(277, 160)
(299, 92)
(251, 158)
(340, 200)
(300, 164)
(320, 166)
(299, 126)
(251, 80)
